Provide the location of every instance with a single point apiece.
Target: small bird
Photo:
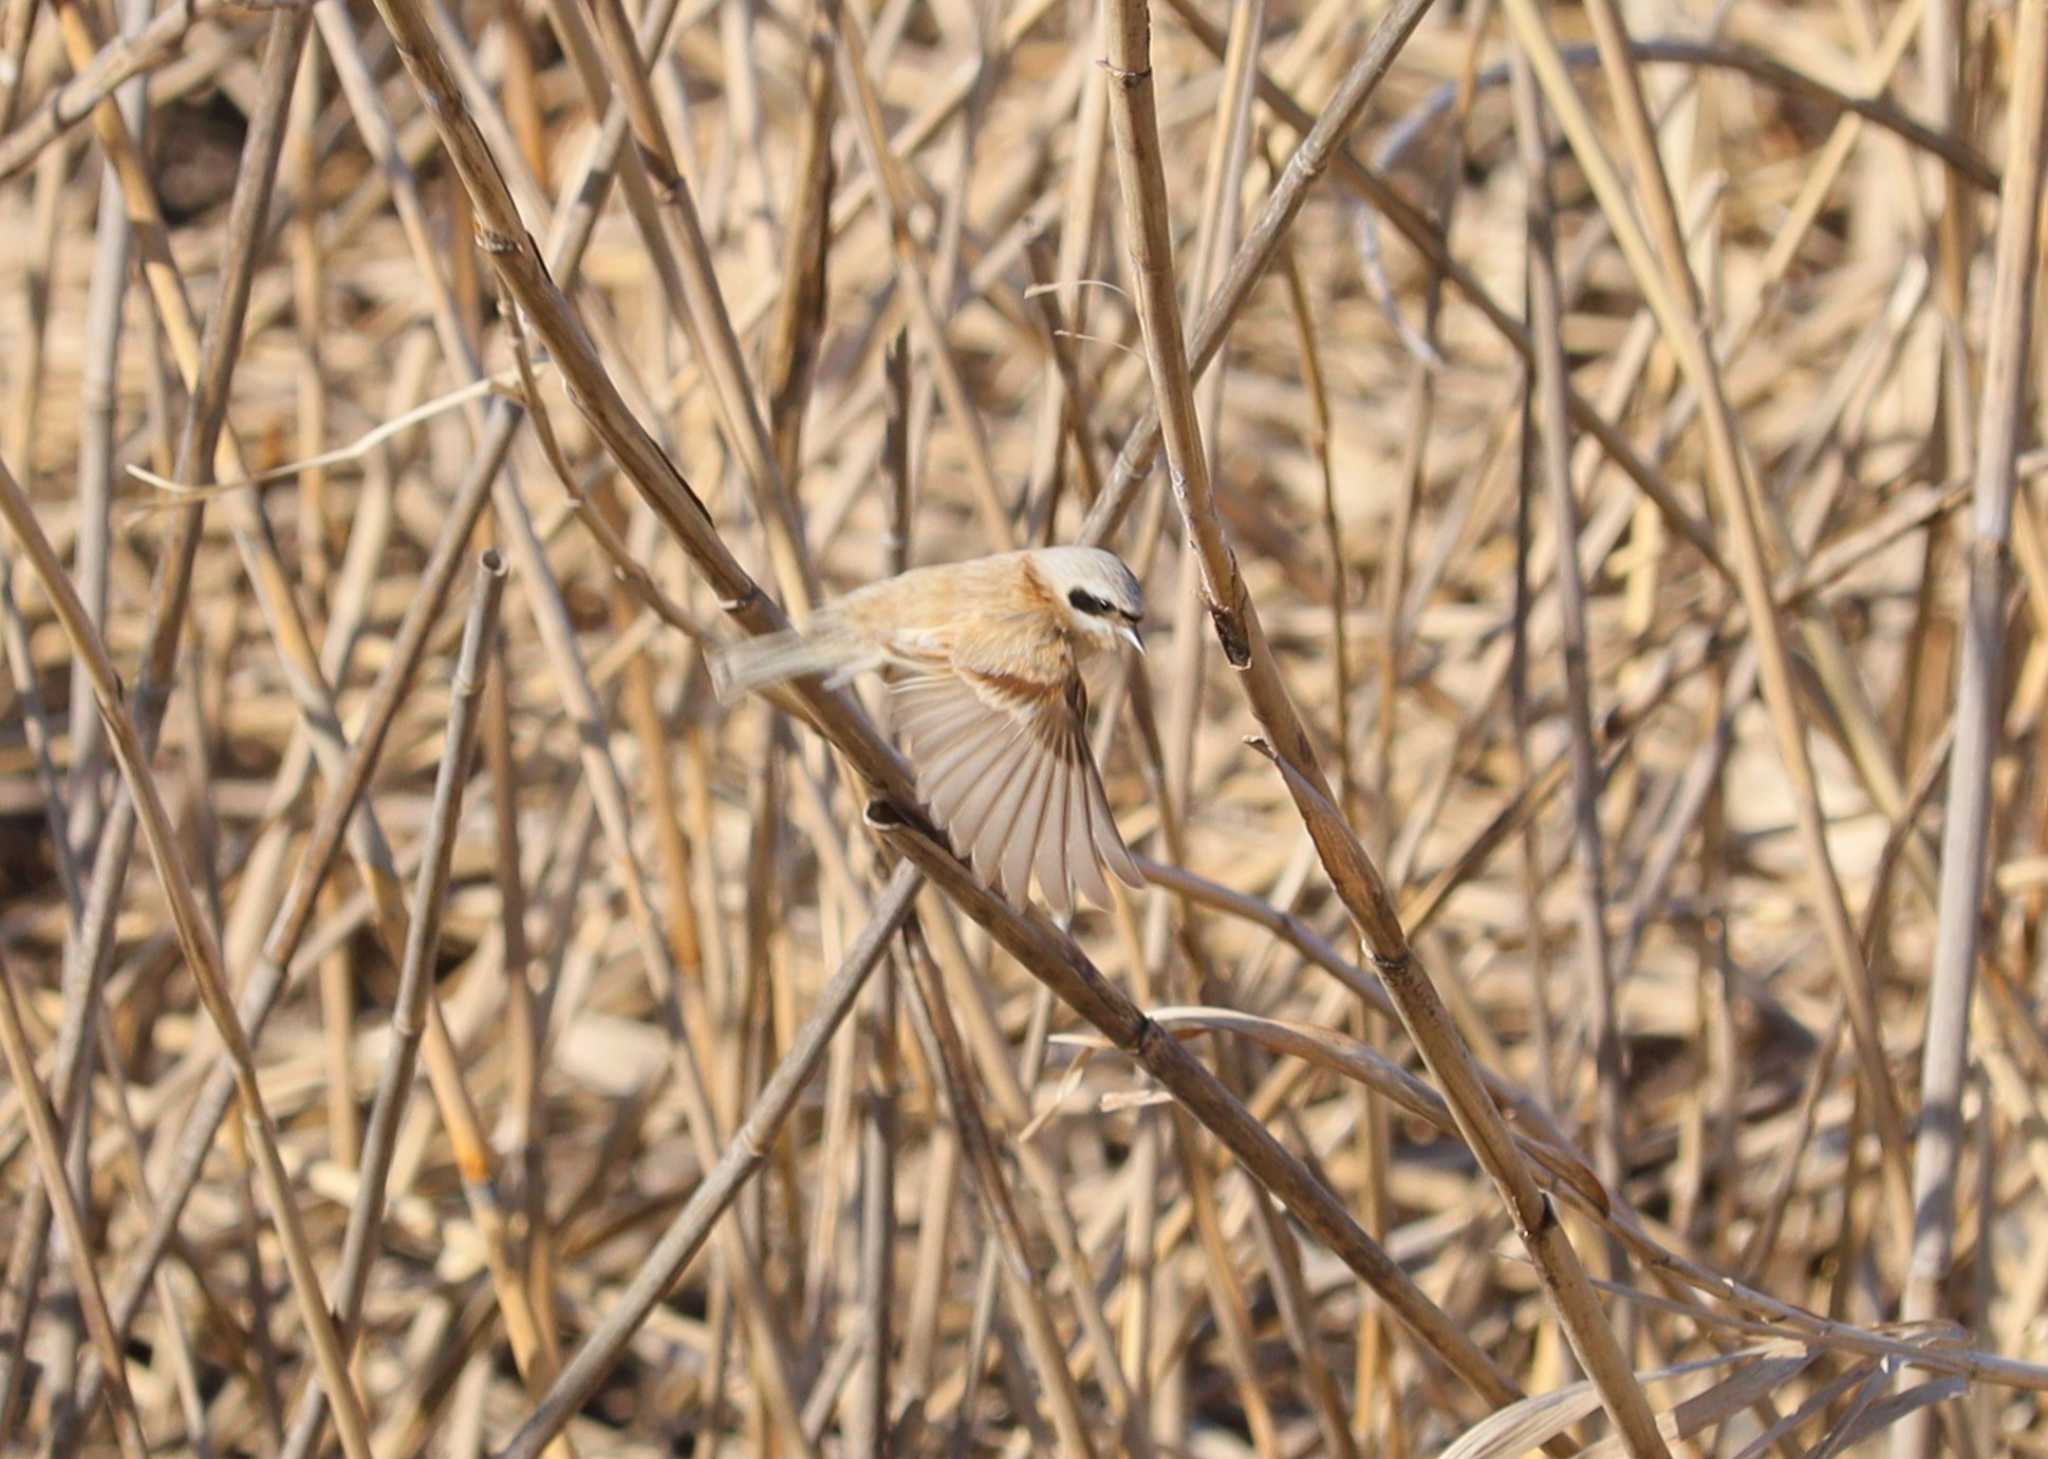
(990, 700)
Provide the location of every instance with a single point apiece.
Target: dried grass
(1520, 1026)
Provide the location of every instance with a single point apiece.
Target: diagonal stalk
(1140, 165)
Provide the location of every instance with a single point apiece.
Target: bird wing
(999, 744)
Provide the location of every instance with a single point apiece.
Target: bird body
(989, 657)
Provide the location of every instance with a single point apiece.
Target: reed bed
(1587, 766)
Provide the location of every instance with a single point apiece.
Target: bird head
(1101, 598)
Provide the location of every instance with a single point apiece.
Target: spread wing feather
(978, 823)
(1005, 768)
(1049, 828)
(1020, 837)
(1083, 791)
(1109, 841)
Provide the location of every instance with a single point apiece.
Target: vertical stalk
(1966, 828)
(1553, 457)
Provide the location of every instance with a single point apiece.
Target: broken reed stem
(868, 1429)
(1321, 446)
(1008, 1091)
(913, 277)
(789, 368)
(408, 1018)
(945, 1056)
(1070, 422)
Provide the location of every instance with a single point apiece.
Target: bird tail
(753, 663)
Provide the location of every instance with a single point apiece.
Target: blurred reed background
(1604, 490)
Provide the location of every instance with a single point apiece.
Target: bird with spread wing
(989, 658)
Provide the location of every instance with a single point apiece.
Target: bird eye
(1087, 602)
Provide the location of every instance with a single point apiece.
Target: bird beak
(1130, 635)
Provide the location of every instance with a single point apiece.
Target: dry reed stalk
(1966, 831)
(1667, 280)
(1321, 149)
(712, 331)
(202, 956)
(1071, 397)
(1244, 645)
(789, 371)
(1552, 452)
(86, 969)
(862, 105)
(868, 1431)
(49, 1142)
(410, 1011)
(722, 1182)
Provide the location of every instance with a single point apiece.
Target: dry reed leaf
(1527, 1425)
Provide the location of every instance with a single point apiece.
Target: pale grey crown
(1093, 583)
